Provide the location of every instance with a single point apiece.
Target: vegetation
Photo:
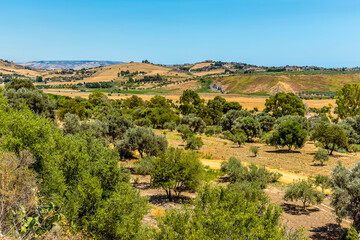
(321, 156)
(289, 133)
(282, 104)
(176, 171)
(348, 101)
(303, 191)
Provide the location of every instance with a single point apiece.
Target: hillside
(109, 73)
(11, 69)
(289, 83)
(76, 65)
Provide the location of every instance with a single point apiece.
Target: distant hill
(10, 69)
(76, 65)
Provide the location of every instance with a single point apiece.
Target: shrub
(170, 125)
(321, 181)
(237, 173)
(304, 191)
(194, 143)
(144, 166)
(322, 156)
(239, 138)
(254, 150)
(177, 170)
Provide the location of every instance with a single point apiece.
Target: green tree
(346, 196)
(330, 135)
(177, 170)
(144, 140)
(227, 121)
(196, 124)
(133, 102)
(303, 191)
(193, 143)
(254, 150)
(71, 123)
(288, 133)
(35, 100)
(348, 101)
(282, 104)
(222, 213)
(321, 181)
(98, 98)
(322, 156)
(190, 102)
(266, 121)
(239, 137)
(16, 84)
(249, 125)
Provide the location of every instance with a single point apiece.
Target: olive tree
(282, 104)
(249, 125)
(177, 170)
(346, 195)
(331, 136)
(348, 101)
(304, 191)
(288, 133)
(144, 140)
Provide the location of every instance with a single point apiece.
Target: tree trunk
(332, 149)
(304, 205)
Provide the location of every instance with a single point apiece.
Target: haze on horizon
(261, 32)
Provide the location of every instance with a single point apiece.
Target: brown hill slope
(11, 68)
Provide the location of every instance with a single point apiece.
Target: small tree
(177, 170)
(71, 123)
(321, 181)
(322, 156)
(289, 133)
(239, 138)
(249, 125)
(194, 143)
(254, 150)
(330, 135)
(346, 194)
(304, 191)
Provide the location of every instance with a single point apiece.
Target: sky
(262, 32)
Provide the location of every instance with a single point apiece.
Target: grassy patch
(205, 86)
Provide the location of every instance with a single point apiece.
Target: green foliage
(254, 150)
(170, 125)
(71, 123)
(190, 102)
(98, 98)
(33, 99)
(133, 102)
(249, 125)
(144, 140)
(193, 143)
(79, 174)
(352, 234)
(288, 133)
(330, 135)
(321, 181)
(222, 213)
(177, 170)
(348, 101)
(239, 137)
(185, 132)
(282, 104)
(227, 122)
(75, 106)
(196, 124)
(266, 121)
(346, 195)
(17, 84)
(144, 166)
(303, 191)
(212, 130)
(211, 174)
(321, 156)
(238, 173)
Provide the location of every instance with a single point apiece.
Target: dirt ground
(299, 161)
(318, 221)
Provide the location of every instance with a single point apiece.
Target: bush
(194, 143)
(177, 170)
(238, 173)
(144, 166)
(289, 133)
(170, 125)
(254, 150)
(239, 138)
(304, 191)
(322, 156)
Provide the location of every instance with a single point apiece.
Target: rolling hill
(12, 69)
(76, 65)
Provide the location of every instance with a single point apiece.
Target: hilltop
(69, 64)
(10, 69)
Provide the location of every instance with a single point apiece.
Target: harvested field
(247, 102)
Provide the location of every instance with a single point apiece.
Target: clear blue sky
(262, 32)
